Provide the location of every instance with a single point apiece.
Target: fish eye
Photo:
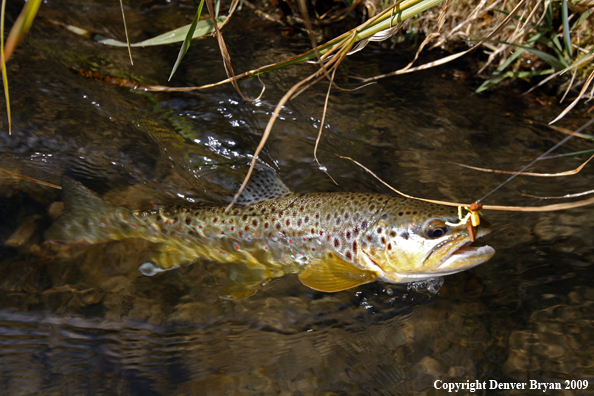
(436, 229)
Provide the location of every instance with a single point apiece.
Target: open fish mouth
(462, 258)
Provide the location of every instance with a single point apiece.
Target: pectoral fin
(334, 274)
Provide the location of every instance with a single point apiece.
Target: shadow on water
(83, 320)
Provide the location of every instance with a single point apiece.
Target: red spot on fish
(265, 247)
(154, 230)
(222, 232)
(232, 228)
(167, 222)
(313, 249)
(178, 234)
(133, 225)
(290, 241)
(249, 239)
(200, 226)
(236, 246)
(305, 239)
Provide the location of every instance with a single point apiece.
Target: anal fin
(242, 280)
(334, 274)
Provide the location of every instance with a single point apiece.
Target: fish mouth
(457, 255)
(463, 258)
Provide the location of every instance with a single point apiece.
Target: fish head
(414, 240)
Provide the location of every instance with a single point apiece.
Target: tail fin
(85, 218)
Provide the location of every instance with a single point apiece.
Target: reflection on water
(83, 320)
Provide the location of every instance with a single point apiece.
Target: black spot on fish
(266, 225)
(348, 235)
(393, 234)
(364, 225)
(299, 223)
(389, 246)
(288, 223)
(404, 235)
(215, 219)
(255, 223)
(337, 221)
(306, 219)
(355, 247)
(379, 230)
(158, 218)
(383, 241)
(369, 238)
(349, 255)
(244, 218)
(400, 213)
(278, 226)
(188, 220)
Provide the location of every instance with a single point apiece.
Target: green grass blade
(186, 44)
(582, 18)
(174, 36)
(556, 63)
(566, 31)
(217, 8)
(4, 76)
(496, 77)
(21, 26)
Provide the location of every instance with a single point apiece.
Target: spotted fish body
(333, 240)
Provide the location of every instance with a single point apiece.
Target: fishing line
(562, 142)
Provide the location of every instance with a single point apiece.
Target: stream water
(83, 320)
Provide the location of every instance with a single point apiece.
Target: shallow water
(83, 320)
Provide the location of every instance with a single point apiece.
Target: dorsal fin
(263, 185)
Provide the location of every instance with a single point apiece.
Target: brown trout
(333, 241)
